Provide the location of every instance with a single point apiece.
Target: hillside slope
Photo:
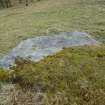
(41, 18)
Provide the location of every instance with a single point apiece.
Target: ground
(41, 18)
(75, 76)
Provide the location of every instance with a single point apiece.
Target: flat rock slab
(37, 48)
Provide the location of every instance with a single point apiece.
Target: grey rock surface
(37, 48)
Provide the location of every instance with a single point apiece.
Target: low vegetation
(4, 75)
(41, 18)
(11, 3)
(74, 76)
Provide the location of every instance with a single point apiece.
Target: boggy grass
(74, 76)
